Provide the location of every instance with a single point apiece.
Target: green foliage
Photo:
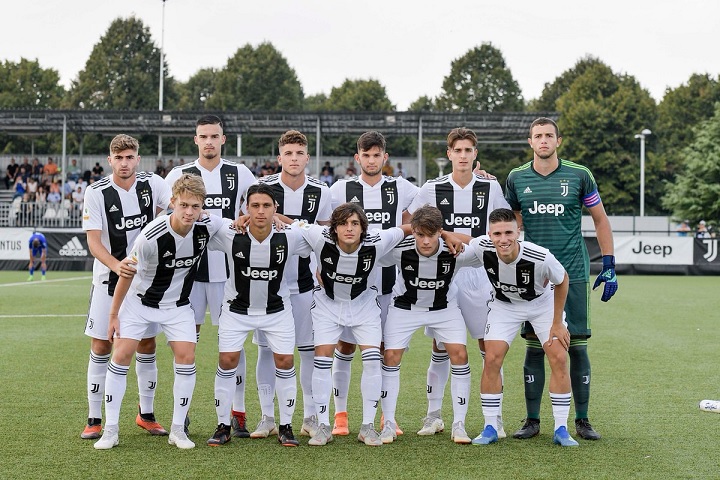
(480, 81)
(560, 86)
(257, 79)
(27, 85)
(422, 104)
(359, 96)
(122, 72)
(194, 94)
(599, 116)
(315, 103)
(695, 193)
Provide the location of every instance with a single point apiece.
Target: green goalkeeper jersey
(551, 208)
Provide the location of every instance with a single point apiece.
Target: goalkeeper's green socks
(534, 370)
(580, 376)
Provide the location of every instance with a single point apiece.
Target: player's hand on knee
(559, 333)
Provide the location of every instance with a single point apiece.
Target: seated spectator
(54, 197)
(400, 171)
(326, 177)
(41, 196)
(30, 190)
(160, 168)
(74, 170)
(20, 187)
(37, 169)
(170, 165)
(683, 230)
(27, 166)
(68, 189)
(49, 170)
(10, 172)
(350, 172)
(387, 169)
(702, 230)
(78, 198)
(329, 167)
(97, 171)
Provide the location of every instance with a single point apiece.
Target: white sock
(560, 408)
(341, 367)
(115, 386)
(183, 388)
(307, 357)
(321, 383)
(390, 391)
(371, 383)
(147, 375)
(224, 388)
(265, 376)
(286, 382)
(239, 396)
(437, 377)
(460, 391)
(491, 407)
(97, 370)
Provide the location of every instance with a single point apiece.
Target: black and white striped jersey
(350, 276)
(120, 215)
(523, 280)
(257, 284)
(310, 203)
(464, 210)
(425, 283)
(167, 262)
(226, 185)
(383, 203)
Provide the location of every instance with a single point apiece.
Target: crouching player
(521, 274)
(165, 255)
(425, 296)
(257, 297)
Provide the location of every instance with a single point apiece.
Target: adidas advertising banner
(67, 246)
(14, 243)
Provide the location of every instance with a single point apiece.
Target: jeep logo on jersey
(132, 222)
(280, 254)
(445, 268)
(556, 209)
(186, 262)
(525, 276)
(481, 200)
(462, 220)
(344, 278)
(377, 216)
(564, 188)
(367, 263)
(216, 201)
(312, 201)
(507, 288)
(145, 195)
(231, 181)
(390, 192)
(259, 273)
(425, 284)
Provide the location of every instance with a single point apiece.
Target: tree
(552, 91)
(599, 116)
(123, 71)
(257, 79)
(315, 103)
(27, 85)
(194, 94)
(479, 81)
(359, 96)
(422, 104)
(695, 194)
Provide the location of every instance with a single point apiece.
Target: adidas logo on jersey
(527, 190)
(444, 201)
(490, 270)
(113, 209)
(240, 255)
(328, 260)
(73, 248)
(167, 254)
(355, 200)
(409, 267)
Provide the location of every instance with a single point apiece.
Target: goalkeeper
(548, 195)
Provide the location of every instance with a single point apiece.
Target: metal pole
(317, 148)
(162, 74)
(64, 170)
(420, 175)
(642, 175)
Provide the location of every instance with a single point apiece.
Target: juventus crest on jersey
(120, 214)
(257, 283)
(523, 280)
(166, 262)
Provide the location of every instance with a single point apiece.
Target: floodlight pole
(162, 73)
(642, 136)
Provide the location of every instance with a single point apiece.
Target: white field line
(38, 281)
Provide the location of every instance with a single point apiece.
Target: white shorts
(96, 325)
(505, 319)
(330, 318)
(384, 301)
(301, 304)
(279, 330)
(474, 293)
(447, 325)
(177, 323)
(206, 295)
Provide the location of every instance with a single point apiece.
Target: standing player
(165, 255)
(257, 298)
(116, 209)
(37, 248)
(347, 257)
(547, 195)
(523, 275)
(226, 183)
(425, 295)
(299, 197)
(465, 200)
(384, 200)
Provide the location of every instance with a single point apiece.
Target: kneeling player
(521, 274)
(425, 296)
(165, 255)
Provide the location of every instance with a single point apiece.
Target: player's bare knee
(228, 360)
(392, 358)
(457, 353)
(100, 347)
(345, 348)
(283, 362)
(147, 345)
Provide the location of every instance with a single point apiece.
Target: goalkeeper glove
(608, 276)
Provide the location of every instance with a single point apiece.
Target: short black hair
(502, 215)
(342, 213)
(209, 120)
(260, 188)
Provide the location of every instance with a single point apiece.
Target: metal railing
(40, 215)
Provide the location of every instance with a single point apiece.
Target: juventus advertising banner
(67, 249)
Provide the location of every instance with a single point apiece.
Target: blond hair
(189, 184)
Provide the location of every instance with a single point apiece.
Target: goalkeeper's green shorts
(577, 312)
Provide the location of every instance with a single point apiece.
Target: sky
(407, 45)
